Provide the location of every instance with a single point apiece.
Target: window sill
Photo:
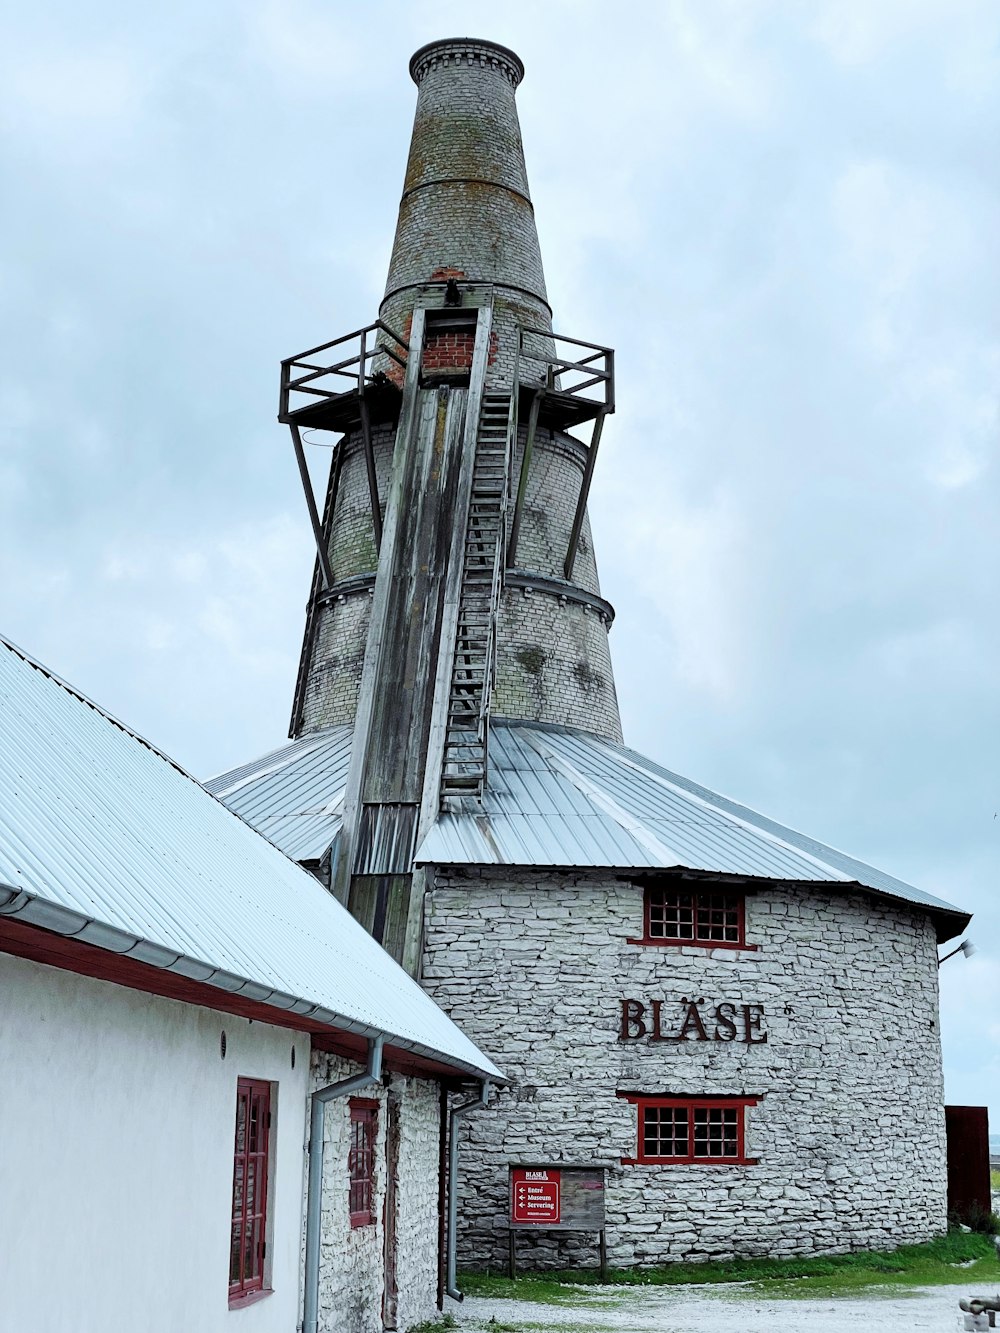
(249, 1298)
(690, 1161)
(692, 944)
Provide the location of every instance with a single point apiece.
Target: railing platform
(342, 411)
(333, 386)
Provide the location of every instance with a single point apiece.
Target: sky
(781, 213)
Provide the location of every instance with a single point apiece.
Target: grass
(995, 1180)
(440, 1325)
(933, 1264)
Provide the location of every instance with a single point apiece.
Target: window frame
(251, 1287)
(363, 1112)
(646, 1101)
(695, 893)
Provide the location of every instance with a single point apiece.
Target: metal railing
(566, 380)
(303, 378)
(571, 374)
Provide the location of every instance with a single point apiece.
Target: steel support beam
(314, 518)
(522, 480)
(581, 504)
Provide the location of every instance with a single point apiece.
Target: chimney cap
(466, 50)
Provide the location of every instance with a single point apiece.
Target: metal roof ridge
(85, 699)
(290, 753)
(837, 876)
(630, 823)
(126, 730)
(663, 777)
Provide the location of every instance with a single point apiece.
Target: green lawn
(958, 1257)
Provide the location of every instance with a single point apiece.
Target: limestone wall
(849, 1128)
(352, 1273)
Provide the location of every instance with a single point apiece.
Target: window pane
(235, 1272)
(665, 1131)
(241, 1123)
(361, 1164)
(706, 917)
(719, 917)
(715, 1132)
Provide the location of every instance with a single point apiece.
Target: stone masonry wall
(352, 1272)
(849, 1129)
(337, 660)
(554, 664)
(554, 480)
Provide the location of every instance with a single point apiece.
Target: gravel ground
(716, 1308)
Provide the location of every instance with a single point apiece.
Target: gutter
(456, 1113)
(314, 1187)
(51, 916)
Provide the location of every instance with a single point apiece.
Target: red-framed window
(361, 1161)
(248, 1245)
(709, 919)
(701, 1130)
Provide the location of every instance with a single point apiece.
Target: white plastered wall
(116, 1158)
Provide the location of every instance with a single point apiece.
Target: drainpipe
(314, 1189)
(457, 1112)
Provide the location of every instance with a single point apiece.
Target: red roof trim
(71, 955)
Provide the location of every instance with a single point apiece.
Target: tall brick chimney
(466, 216)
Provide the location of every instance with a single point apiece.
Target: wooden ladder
(467, 732)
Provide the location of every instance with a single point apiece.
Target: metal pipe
(314, 1189)
(462, 1109)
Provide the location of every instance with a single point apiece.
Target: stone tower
(730, 1025)
(456, 578)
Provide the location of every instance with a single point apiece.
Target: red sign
(534, 1197)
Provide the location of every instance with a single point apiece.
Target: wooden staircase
(467, 732)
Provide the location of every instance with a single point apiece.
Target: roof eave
(59, 920)
(949, 921)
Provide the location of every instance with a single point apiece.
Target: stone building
(735, 1023)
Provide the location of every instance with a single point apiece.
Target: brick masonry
(849, 1130)
(352, 1272)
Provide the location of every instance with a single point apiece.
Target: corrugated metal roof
(293, 795)
(558, 797)
(96, 826)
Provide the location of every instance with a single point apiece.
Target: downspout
(463, 1109)
(314, 1189)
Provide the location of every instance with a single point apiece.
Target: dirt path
(712, 1309)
